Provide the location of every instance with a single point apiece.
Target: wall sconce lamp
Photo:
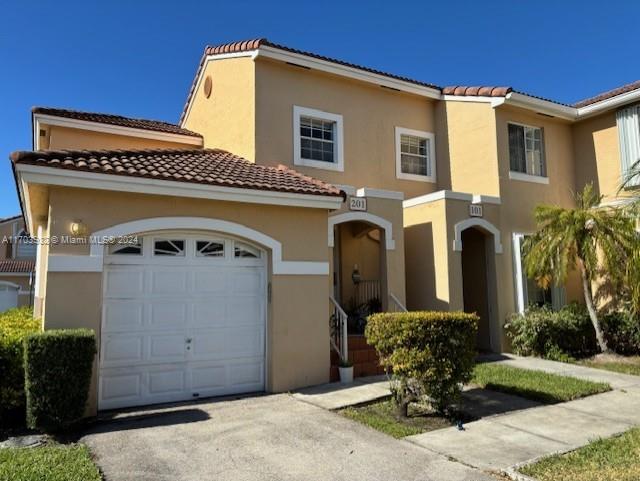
(355, 275)
(78, 228)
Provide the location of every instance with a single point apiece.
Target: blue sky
(138, 57)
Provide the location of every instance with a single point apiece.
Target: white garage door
(8, 296)
(183, 317)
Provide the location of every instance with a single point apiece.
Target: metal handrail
(339, 339)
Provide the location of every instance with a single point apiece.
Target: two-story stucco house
(17, 264)
(229, 253)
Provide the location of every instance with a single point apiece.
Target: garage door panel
(247, 373)
(170, 281)
(124, 283)
(209, 282)
(120, 386)
(122, 349)
(166, 382)
(211, 312)
(246, 281)
(227, 343)
(123, 315)
(168, 314)
(245, 311)
(208, 377)
(167, 347)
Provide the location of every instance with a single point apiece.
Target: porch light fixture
(355, 275)
(78, 228)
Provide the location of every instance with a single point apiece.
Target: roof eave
(36, 174)
(607, 104)
(541, 106)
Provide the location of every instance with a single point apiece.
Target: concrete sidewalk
(501, 441)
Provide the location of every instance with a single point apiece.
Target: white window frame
(523, 176)
(558, 295)
(431, 158)
(338, 144)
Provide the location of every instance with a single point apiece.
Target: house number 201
(357, 203)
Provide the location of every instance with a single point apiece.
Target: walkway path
(502, 441)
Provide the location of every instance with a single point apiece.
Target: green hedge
(431, 353)
(557, 335)
(15, 325)
(568, 333)
(58, 365)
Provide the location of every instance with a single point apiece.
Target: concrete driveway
(272, 437)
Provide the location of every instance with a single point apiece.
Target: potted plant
(346, 371)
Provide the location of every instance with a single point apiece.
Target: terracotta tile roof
(155, 125)
(201, 166)
(609, 94)
(482, 91)
(247, 45)
(17, 266)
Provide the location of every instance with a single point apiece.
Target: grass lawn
(616, 458)
(382, 415)
(624, 365)
(536, 385)
(48, 463)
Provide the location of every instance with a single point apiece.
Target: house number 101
(357, 203)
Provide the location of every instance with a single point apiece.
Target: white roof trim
(30, 174)
(346, 71)
(542, 106)
(450, 194)
(55, 120)
(610, 103)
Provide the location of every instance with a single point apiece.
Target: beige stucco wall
(298, 339)
(471, 138)
(61, 138)
(597, 153)
(227, 118)
(370, 114)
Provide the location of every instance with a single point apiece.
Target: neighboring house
(233, 263)
(17, 264)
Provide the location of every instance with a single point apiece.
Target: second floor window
(415, 155)
(526, 150)
(317, 139)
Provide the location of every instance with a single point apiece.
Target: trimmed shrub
(15, 325)
(558, 335)
(58, 365)
(622, 331)
(431, 354)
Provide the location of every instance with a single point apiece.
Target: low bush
(558, 335)
(430, 353)
(58, 365)
(568, 334)
(15, 325)
(622, 331)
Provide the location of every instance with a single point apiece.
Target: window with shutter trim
(526, 150)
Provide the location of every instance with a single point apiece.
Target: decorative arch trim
(483, 225)
(94, 262)
(364, 217)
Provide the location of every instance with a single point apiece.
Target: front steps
(362, 355)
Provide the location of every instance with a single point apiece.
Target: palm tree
(586, 237)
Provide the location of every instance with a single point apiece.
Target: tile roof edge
(41, 110)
